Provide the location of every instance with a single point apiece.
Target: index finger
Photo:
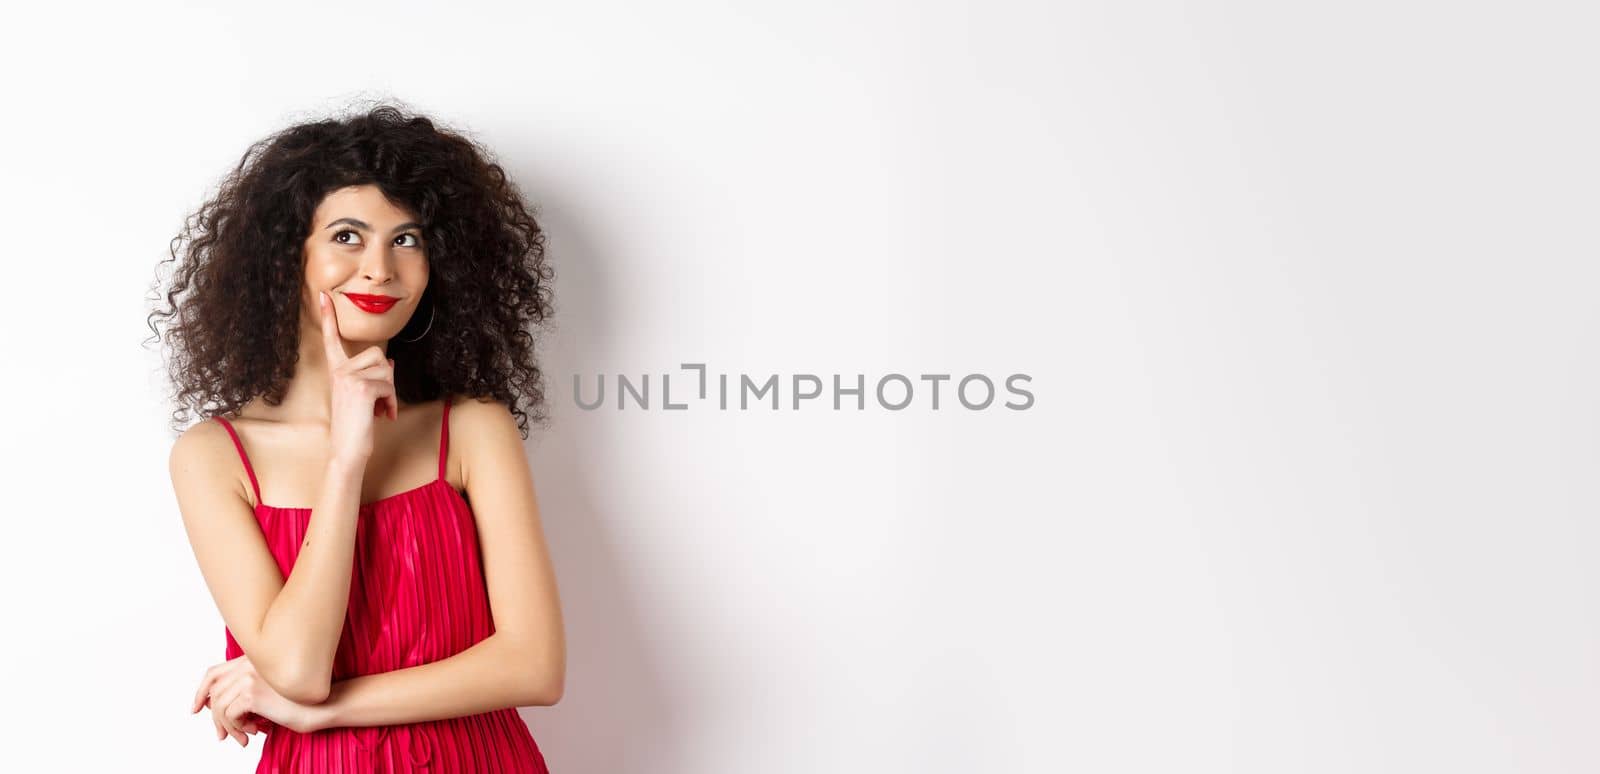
(200, 694)
(330, 329)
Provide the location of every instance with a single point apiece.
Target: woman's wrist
(348, 466)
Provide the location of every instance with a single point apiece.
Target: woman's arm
(493, 674)
(289, 628)
(524, 662)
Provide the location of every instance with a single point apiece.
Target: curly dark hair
(232, 313)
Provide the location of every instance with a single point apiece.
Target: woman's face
(367, 254)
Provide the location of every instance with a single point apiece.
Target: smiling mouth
(370, 303)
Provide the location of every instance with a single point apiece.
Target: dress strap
(254, 486)
(444, 435)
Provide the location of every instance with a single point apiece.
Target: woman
(350, 315)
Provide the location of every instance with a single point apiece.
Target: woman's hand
(361, 388)
(242, 703)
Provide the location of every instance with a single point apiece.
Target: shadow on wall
(615, 715)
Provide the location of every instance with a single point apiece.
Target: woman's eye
(412, 237)
(342, 233)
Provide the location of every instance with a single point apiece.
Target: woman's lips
(373, 304)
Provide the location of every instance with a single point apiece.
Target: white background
(1306, 292)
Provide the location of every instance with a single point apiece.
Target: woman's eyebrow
(364, 227)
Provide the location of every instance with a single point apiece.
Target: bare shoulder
(203, 457)
(481, 416)
(485, 433)
(201, 442)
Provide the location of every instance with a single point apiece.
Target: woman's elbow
(306, 687)
(554, 691)
(307, 692)
(544, 690)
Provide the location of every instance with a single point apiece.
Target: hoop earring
(431, 310)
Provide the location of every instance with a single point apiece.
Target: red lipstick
(370, 303)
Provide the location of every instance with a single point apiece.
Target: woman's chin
(367, 337)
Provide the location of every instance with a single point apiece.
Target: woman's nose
(378, 267)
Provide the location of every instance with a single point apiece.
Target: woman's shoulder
(482, 425)
(481, 415)
(202, 453)
(210, 434)
(200, 438)
(484, 439)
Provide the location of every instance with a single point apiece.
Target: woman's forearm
(493, 674)
(301, 628)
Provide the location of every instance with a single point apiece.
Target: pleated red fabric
(417, 595)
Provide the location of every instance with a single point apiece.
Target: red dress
(417, 595)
